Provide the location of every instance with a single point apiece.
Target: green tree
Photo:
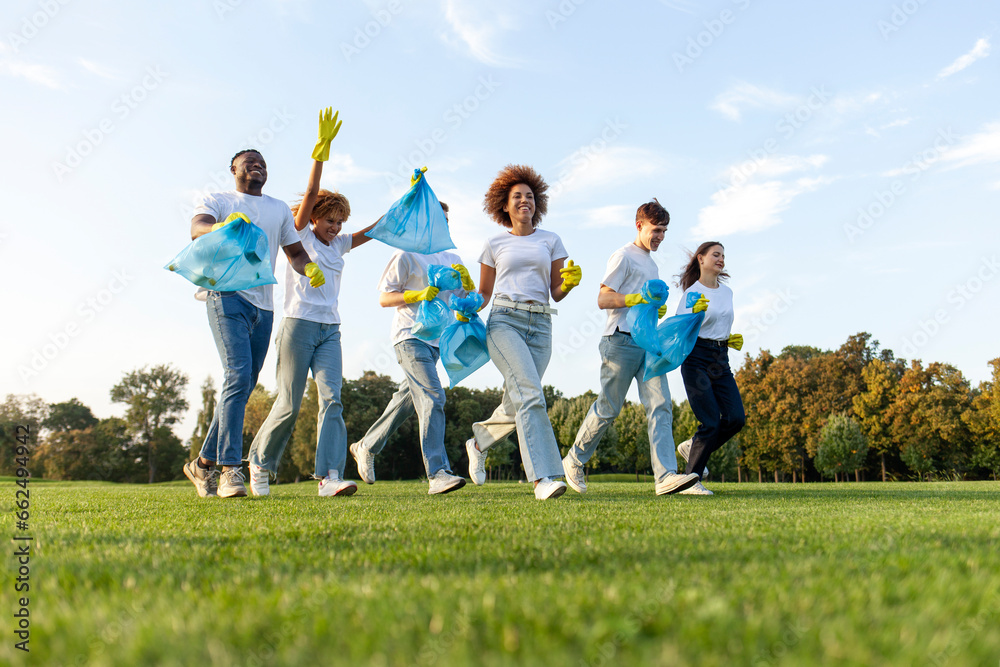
(872, 407)
(842, 446)
(25, 410)
(685, 424)
(302, 442)
(632, 452)
(101, 452)
(982, 419)
(155, 399)
(69, 416)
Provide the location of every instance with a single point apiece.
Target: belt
(530, 307)
(713, 343)
(617, 330)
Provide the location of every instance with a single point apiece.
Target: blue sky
(847, 154)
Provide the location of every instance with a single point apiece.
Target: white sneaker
(676, 483)
(205, 480)
(231, 482)
(332, 485)
(684, 449)
(547, 488)
(695, 490)
(366, 463)
(259, 480)
(444, 482)
(477, 462)
(574, 475)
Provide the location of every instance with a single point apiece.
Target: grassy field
(771, 574)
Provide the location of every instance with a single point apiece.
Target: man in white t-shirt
(622, 360)
(241, 321)
(403, 286)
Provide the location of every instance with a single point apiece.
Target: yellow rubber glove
(661, 311)
(314, 275)
(328, 129)
(701, 305)
(232, 217)
(425, 294)
(467, 283)
(571, 275)
(633, 300)
(460, 317)
(416, 176)
(736, 341)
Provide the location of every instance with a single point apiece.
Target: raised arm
(329, 126)
(358, 238)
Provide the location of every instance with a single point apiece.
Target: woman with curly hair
(523, 266)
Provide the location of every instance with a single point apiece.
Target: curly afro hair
(328, 205)
(509, 176)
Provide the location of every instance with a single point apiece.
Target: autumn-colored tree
(155, 399)
(872, 407)
(982, 418)
(632, 452)
(205, 415)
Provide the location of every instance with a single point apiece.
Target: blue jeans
(420, 392)
(621, 362)
(714, 399)
(304, 345)
(520, 345)
(242, 332)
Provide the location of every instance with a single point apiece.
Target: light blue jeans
(520, 345)
(420, 392)
(304, 345)
(241, 332)
(621, 362)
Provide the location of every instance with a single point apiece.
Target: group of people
(522, 269)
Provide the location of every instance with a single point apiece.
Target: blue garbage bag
(415, 223)
(232, 258)
(433, 316)
(463, 344)
(642, 318)
(677, 336)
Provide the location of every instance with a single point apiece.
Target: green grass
(766, 574)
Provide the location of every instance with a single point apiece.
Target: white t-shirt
(317, 304)
(273, 217)
(408, 271)
(718, 322)
(628, 270)
(523, 264)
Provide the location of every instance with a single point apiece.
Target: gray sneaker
(206, 481)
(695, 490)
(574, 475)
(365, 461)
(675, 483)
(684, 449)
(231, 482)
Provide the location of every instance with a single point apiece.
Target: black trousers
(714, 399)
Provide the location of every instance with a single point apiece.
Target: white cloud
(40, 74)
(899, 122)
(685, 6)
(615, 215)
(97, 69)
(980, 50)
(477, 28)
(731, 102)
(595, 170)
(977, 149)
(754, 206)
(341, 168)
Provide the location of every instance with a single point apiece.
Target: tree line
(811, 414)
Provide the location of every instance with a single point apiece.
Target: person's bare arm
(297, 257)
(607, 298)
(358, 238)
(201, 224)
(555, 280)
(391, 299)
(304, 213)
(487, 280)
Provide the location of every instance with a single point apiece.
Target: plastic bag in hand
(642, 318)
(433, 316)
(232, 258)
(677, 336)
(415, 223)
(463, 344)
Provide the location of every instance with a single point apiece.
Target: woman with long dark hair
(708, 380)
